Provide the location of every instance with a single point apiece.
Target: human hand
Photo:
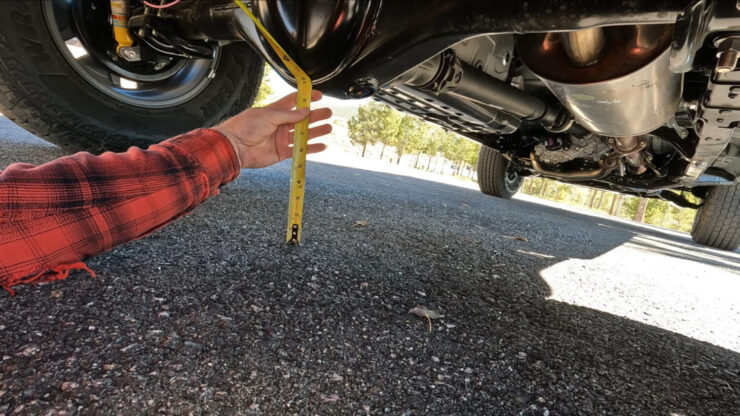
(264, 136)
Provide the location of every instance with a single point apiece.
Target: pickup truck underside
(638, 97)
(639, 100)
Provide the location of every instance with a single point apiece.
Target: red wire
(163, 6)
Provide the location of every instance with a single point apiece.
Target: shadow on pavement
(214, 314)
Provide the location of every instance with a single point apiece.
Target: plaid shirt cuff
(213, 152)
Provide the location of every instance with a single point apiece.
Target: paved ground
(216, 315)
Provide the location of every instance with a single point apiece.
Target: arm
(55, 215)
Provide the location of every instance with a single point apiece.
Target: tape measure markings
(300, 134)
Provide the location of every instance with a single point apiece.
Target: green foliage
(460, 151)
(658, 212)
(409, 136)
(373, 123)
(265, 90)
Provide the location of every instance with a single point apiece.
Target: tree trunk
(382, 150)
(543, 188)
(429, 163)
(416, 162)
(613, 205)
(436, 160)
(364, 147)
(598, 201)
(592, 198)
(666, 214)
(400, 153)
(641, 208)
(620, 200)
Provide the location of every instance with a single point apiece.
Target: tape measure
(300, 135)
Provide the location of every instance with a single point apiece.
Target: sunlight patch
(668, 288)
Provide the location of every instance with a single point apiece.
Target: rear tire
(496, 176)
(43, 91)
(717, 222)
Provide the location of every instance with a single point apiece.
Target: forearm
(78, 206)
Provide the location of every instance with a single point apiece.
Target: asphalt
(215, 314)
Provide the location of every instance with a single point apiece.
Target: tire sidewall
(61, 96)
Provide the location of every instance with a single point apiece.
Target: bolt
(130, 54)
(727, 61)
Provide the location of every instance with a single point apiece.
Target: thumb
(278, 117)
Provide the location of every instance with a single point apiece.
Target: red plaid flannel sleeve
(55, 215)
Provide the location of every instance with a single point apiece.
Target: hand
(264, 136)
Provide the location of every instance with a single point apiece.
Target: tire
(495, 175)
(43, 92)
(717, 222)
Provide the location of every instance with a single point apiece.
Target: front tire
(717, 222)
(61, 98)
(496, 176)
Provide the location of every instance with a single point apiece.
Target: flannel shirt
(57, 214)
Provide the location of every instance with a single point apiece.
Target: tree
(372, 123)
(265, 91)
(543, 187)
(409, 135)
(591, 198)
(598, 201)
(459, 151)
(390, 129)
(641, 207)
(430, 142)
(470, 156)
(616, 204)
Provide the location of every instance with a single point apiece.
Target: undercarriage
(638, 97)
(640, 101)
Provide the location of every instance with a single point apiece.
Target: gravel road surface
(215, 314)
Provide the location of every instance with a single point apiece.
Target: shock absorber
(119, 16)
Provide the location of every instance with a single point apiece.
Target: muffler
(615, 80)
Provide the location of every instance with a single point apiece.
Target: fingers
(319, 131)
(288, 102)
(278, 117)
(315, 148)
(285, 148)
(320, 114)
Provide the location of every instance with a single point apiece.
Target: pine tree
(373, 122)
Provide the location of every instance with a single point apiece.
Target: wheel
(61, 80)
(496, 176)
(717, 222)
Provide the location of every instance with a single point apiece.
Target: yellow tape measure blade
(300, 135)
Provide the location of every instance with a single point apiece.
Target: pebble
(29, 350)
(192, 348)
(69, 385)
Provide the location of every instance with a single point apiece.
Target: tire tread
(717, 222)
